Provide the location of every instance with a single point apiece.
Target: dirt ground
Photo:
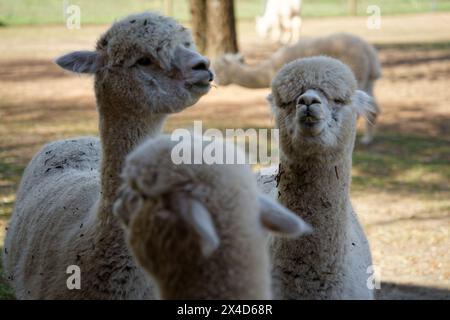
(401, 183)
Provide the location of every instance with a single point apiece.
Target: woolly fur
(63, 209)
(313, 180)
(166, 245)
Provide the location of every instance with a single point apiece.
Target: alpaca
(316, 105)
(145, 68)
(359, 55)
(281, 20)
(199, 230)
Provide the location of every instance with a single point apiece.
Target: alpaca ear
(239, 57)
(127, 203)
(363, 104)
(80, 62)
(278, 219)
(195, 214)
(227, 58)
(270, 99)
(233, 58)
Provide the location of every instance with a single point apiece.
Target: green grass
(5, 291)
(23, 12)
(404, 164)
(10, 174)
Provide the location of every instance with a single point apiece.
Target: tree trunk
(353, 7)
(221, 28)
(214, 26)
(168, 8)
(199, 23)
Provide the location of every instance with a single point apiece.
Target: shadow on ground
(395, 291)
(30, 69)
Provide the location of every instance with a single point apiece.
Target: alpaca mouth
(201, 82)
(310, 119)
(199, 87)
(310, 125)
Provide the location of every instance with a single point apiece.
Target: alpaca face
(146, 62)
(148, 85)
(314, 123)
(151, 61)
(316, 107)
(195, 223)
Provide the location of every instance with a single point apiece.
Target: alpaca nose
(201, 63)
(308, 98)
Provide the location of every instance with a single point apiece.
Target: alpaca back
(58, 188)
(350, 49)
(54, 225)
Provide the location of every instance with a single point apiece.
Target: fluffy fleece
(199, 230)
(145, 67)
(316, 106)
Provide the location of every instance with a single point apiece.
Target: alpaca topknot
(330, 75)
(146, 33)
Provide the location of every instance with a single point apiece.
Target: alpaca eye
(144, 61)
(338, 101)
(187, 44)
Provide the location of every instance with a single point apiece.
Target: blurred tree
(353, 7)
(199, 23)
(214, 26)
(168, 7)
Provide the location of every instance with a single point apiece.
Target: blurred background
(401, 182)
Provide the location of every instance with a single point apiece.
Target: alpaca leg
(295, 27)
(286, 27)
(277, 33)
(289, 34)
(285, 37)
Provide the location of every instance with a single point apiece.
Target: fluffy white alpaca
(199, 230)
(145, 67)
(281, 20)
(316, 104)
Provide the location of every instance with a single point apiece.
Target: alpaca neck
(229, 283)
(317, 190)
(258, 76)
(119, 134)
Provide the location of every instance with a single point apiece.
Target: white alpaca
(316, 104)
(198, 230)
(145, 67)
(281, 21)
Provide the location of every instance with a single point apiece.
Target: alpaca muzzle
(310, 119)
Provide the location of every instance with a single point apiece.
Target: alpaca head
(223, 67)
(193, 223)
(147, 62)
(316, 105)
